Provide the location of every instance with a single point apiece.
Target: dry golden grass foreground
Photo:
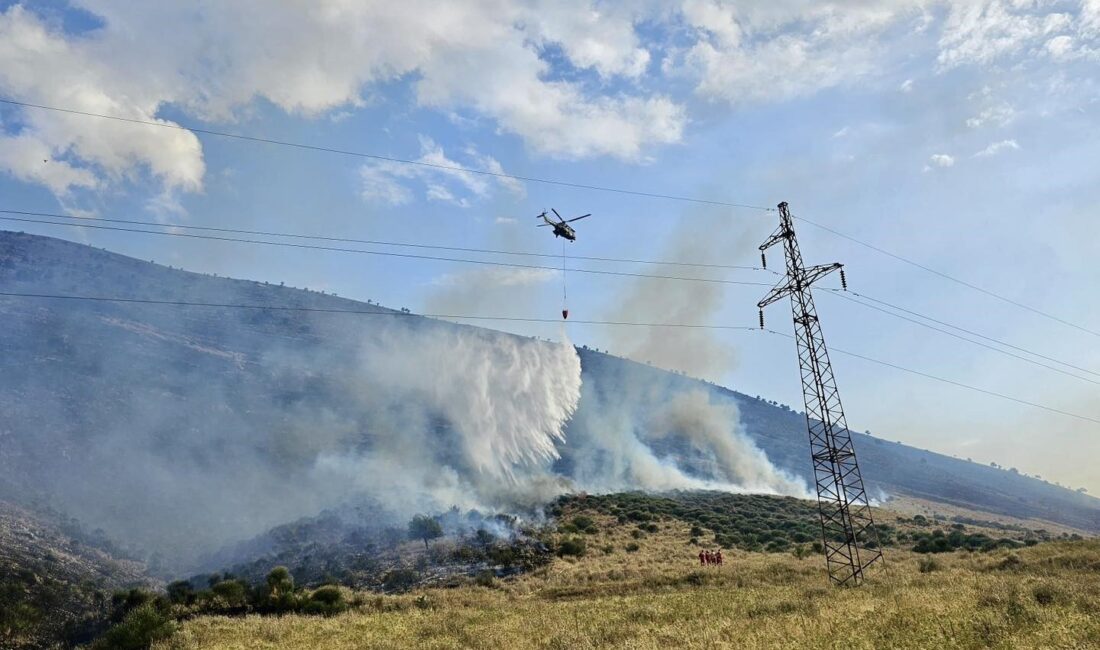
(1046, 596)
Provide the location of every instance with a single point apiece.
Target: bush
(485, 578)
(632, 547)
(326, 601)
(139, 629)
(180, 592)
(400, 580)
(585, 524)
(232, 593)
(574, 546)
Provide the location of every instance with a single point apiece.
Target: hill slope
(183, 429)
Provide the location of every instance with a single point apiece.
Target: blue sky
(962, 134)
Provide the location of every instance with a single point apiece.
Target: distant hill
(167, 425)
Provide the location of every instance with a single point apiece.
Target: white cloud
(998, 147)
(486, 60)
(752, 52)
(39, 65)
(996, 115)
(983, 32)
(775, 51)
(506, 221)
(380, 185)
(443, 178)
(942, 160)
(213, 59)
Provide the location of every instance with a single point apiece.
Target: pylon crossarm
(778, 292)
(815, 273)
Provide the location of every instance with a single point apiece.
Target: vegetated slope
(656, 536)
(53, 585)
(161, 420)
(625, 584)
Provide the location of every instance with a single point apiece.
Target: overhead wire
(841, 294)
(848, 292)
(561, 183)
(375, 312)
(952, 382)
(376, 242)
(951, 278)
(384, 253)
(357, 312)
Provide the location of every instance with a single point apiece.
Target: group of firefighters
(710, 558)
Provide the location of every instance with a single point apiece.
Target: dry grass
(1045, 596)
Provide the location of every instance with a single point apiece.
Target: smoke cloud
(697, 352)
(183, 431)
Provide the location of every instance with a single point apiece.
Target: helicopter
(561, 226)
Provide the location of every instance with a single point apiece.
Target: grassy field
(1044, 596)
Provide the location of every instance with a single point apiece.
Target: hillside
(641, 586)
(55, 579)
(150, 420)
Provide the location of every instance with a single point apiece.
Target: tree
(279, 582)
(424, 528)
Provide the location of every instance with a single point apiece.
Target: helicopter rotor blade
(558, 215)
(579, 218)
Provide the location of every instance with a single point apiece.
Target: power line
(952, 278)
(533, 179)
(386, 253)
(363, 312)
(956, 327)
(371, 156)
(841, 294)
(163, 224)
(952, 382)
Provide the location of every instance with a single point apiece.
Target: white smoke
(713, 428)
(639, 429)
(461, 417)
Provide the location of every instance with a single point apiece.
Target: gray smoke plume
(697, 352)
(639, 428)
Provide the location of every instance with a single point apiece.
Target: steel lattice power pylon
(847, 528)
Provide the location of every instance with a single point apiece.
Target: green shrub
(180, 592)
(138, 630)
(326, 601)
(574, 546)
(585, 524)
(232, 593)
(400, 579)
(632, 547)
